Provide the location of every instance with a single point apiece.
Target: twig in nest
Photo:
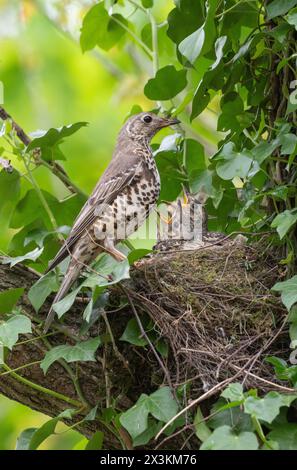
(143, 332)
(115, 348)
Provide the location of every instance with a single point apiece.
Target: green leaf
(48, 141)
(279, 7)
(63, 305)
(12, 328)
(96, 442)
(230, 414)
(194, 155)
(9, 298)
(30, 256)
(135, 420)
(9, 192)
(32, 438)
(42, 289)
(192, 45)
(151, 431)
(234, 392)
(137, 254)
(288, 143)
(202, 431)
(30, 208)
(219, 50)
(224, 439)
(288, 291)
(184, 20)
(167, 83)
(233, 163)
(285, 435)
(284, 221)
(84, 351)
(292, 17)
(162, 404)
(132, 334)
(267, 408)
(100, 29)
(147, 3)
(42, 433)
(23, 440)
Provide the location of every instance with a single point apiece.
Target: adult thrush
(121, 201)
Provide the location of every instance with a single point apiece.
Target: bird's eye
(147, 119)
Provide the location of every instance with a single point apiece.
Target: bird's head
(146, 125)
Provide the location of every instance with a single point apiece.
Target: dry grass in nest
(215, 307)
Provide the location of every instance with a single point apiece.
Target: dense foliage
(241, 54)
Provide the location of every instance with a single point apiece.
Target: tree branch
(54, 167)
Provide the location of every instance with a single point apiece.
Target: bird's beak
(170, 122)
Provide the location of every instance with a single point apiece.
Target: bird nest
(216, 310)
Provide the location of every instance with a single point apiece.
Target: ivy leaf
(23, 440)
(285, 435)
(223, 438)
(84, 351)
(12, 328)
(32, 438)
(288, 143)
(292, 17)
(194, 155)
(233, 163)
(279, 7)
(96, 442)
(288, 291)
(63, 305)
(9, 192)
(267, 408)
(132, 334)
(284, 222)
(184, 20)
(234, 392)
(9, 298)
(192, 45)
(30, 256)
(48, 141)
(42, 289)
(219, 50)
(151, 431)
(202, 431)
(162, 405)
(100, 29)
(147, 3)
(135, 420)
(167, 83)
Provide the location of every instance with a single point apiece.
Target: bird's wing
(105, 192)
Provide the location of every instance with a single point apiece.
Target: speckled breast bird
(121, 201)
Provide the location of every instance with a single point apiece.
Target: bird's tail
(70, 277)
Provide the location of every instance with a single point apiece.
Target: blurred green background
(48, 82)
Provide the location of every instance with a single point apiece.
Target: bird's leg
(111, 249)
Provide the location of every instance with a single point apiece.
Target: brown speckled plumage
(122, 199)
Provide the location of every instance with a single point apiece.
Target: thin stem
(154, 42)
(19, 368)
(42, 389)
(71, 375)
(134, 36)
(43, 201)
(139, 7)
(62, 177)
